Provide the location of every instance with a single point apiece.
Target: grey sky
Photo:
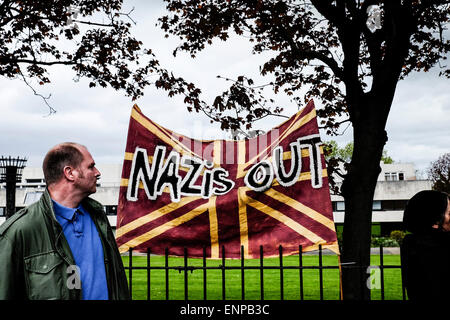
(418, 125)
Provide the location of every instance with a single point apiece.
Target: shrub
(385, 241)
(397, 235)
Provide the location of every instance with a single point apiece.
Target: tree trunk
(368, 114)
(358, 189)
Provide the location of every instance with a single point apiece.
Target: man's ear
(68, 173)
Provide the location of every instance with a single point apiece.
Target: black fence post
(320, 272)
(204, 273)
(261, 271)
(242, 274)
(300, 265)
(166, 258)
(186, 293)
(403, 285)
(223, 272)
(280, 250)
(148, 274)
(130, 271)
(382, 271)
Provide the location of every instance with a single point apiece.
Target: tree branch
(319, 55)
(51, 109)
(12, 60)
(330, 12)
(94, 23)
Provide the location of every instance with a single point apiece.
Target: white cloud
(418, 125)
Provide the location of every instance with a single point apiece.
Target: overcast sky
(418, 125)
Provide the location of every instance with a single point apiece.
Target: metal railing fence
(262, 267)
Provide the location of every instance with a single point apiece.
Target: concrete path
(386, 250)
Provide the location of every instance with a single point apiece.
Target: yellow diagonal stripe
(302, 208)
(129, 156)
(179, 147)
(295, 125)
(163, 228)
(294, 225)
(153, 215)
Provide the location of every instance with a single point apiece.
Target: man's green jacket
(36, 261)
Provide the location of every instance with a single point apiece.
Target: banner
(272, 190)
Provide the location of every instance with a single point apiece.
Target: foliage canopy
(439, 173)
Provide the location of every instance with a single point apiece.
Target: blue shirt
(87, 250)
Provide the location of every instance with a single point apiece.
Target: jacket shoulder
(26, 218)
(12, 220)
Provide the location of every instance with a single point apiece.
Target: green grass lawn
(291, 279)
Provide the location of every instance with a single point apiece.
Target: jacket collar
(92, 206)
(65, 212)
(46, 203)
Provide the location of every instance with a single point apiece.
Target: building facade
(397, 183)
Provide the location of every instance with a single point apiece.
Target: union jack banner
(271, 190)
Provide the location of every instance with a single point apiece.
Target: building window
(35, 180)
(389, 176)
(394, 205)
(376, 205)
(32, 197)
(2, 211)
(394, 176)
(340, 206)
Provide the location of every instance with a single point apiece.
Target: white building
(32, 186)
(396, 184)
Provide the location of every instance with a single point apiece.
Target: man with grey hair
(62, 247)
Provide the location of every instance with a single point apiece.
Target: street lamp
(11, 172)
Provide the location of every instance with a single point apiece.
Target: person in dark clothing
(425, 250)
